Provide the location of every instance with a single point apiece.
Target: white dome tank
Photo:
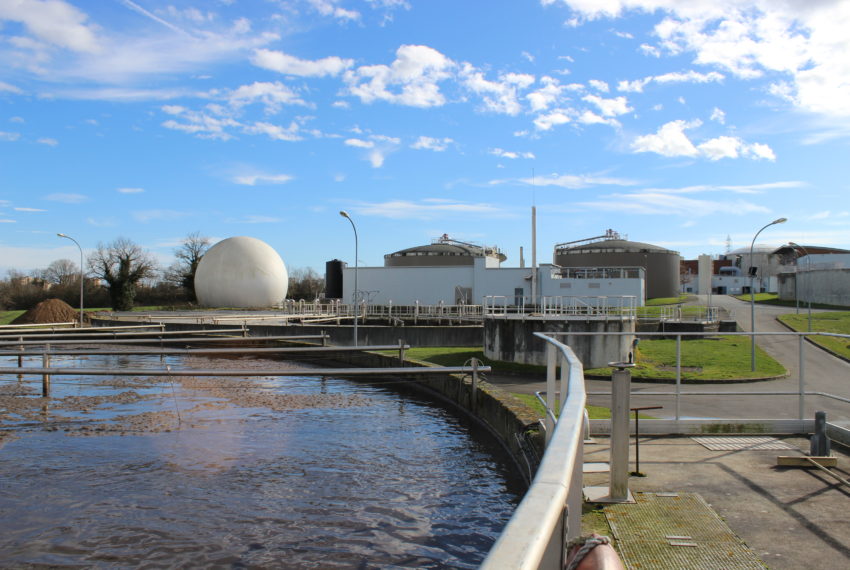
(241, 272)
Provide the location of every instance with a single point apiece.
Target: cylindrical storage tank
(433, 255)
(333, 279)
(241, 272)
(661, 265)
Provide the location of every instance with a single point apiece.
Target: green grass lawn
(833, 322)
(720, 358)
(7, 317)
(658, 301)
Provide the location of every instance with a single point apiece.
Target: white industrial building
(470, 284)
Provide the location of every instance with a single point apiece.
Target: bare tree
(61, 272)
(305, 284)
(122, 264)
(188, 255)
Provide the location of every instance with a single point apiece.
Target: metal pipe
(213, 351)
(336, 372)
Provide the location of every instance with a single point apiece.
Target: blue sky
(680, 124)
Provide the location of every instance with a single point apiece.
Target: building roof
(614, 246)
(445, 246)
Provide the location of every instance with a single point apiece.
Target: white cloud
(5, 136)
(254, 179)
(671, 140)
(67, 198)
(659, 203)
(427, 209)
(130, 190)
(807, 43)
(53, 22)
(510, 154)
(718, 115)
(412, 79)
(430, 143)
(331, 8)
(637, 85)
(9, 88)
(599, 85)
(272, 95)
(29, 210)
(590, 118)
(549, 120)
(359, 143)
(574, 181)
(378, 147)
(291, 65)
(275, 132)
(609, 107)
(548, 95)
(501, 96)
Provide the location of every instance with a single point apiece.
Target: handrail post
(551, 363)
(20, 356)
(802, 379)
(474, 395)
(45, 378)
(401, 352)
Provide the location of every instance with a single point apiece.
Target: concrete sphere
(241, 272)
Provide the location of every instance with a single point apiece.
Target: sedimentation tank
(661, 265)
(442, 252)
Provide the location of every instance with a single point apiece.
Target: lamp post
(753, 294)
(345, 215)
(82, 280)
(808, 279)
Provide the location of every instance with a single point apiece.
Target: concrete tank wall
(513, 340)
(662, 268)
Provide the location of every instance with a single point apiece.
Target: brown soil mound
(49, 311)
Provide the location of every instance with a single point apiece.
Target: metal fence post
(678, 374)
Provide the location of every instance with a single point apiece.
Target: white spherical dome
(241, 272)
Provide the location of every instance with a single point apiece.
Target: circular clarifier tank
(241, 272)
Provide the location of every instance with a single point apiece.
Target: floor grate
(674, 531)
(741, 443)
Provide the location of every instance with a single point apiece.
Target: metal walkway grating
(742, 443)
(676, 531)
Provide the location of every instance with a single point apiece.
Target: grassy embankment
(832, 322)
(773, 299)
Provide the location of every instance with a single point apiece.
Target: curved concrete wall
(513, 340)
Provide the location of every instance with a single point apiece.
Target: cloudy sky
(688, 125)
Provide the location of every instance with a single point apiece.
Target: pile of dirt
(49, 311)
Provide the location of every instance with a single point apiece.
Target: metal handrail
(549, 515)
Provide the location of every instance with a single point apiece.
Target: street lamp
(81, 274)
(808, 279)
(345, 215)
(753, 295)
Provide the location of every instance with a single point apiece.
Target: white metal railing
(562, 306)
(678, 392)
(549, 515)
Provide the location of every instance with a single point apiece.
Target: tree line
(121, 274)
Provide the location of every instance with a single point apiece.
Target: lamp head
(61, 235)
(779, 221)
(344, 214)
